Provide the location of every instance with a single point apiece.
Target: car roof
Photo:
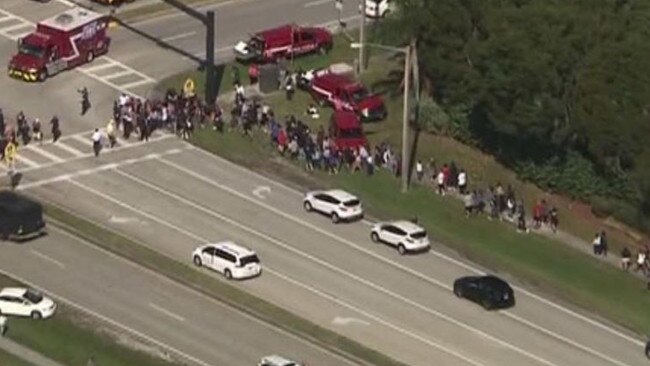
(277, 360)
(346, 119)
(13, 291)
(495, 281)
(406, 225)
(232, 248)
(339, 194)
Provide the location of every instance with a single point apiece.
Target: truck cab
(346, 130)
(347, 94)
(59, 43)
(20, 217)
(288, 40)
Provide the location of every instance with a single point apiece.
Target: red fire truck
(62, 42)
(288, 40)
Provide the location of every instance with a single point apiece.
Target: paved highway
(174, 198)
(182, 322)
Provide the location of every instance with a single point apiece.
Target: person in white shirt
(462, 181)
(3, 325)
(441, 183)
(419, 170)
(97, 141)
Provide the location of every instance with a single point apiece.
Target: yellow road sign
(188, 87)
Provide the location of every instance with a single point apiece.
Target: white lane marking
(47, 258)
(67, 3)
(122, 219)
(350, 244)
(197, 8)
(116, 75)
(7, 30)
(69, 149)
(204, 240)
(101, 168)
(136, 84)
(441, 255)
(93, 68)
(27, 161)
(379, 320)
(318, 2)
(22, 34)
(42, 152)
(105, 151)
(340, 320)
(178, 36)
(260, 191)
(337, 269)
(109, 320)
(83, 139)
(166, 312)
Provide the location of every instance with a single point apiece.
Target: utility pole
(362, 37)
(210, 75)
(208, 20)
(405, 121)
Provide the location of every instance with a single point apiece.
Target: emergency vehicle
(288, 40)
(59, 43)
(346, 130)
(344, 93)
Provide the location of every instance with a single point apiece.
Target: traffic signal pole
(208, 20)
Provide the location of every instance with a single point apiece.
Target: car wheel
(335, 218)
(401, 249)
(458, 291)
(487, 305)
(197, 261)
(227, 274)
(90, 56)
(647, 351)
(374, 237)
(307, 206)
(36, 315)
(42, 76)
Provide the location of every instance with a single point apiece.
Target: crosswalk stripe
(117, 74)
(22, 34)
(69, 149)
(85, 141)
(8, 29)
(135, 83)
(43, 153)
(105, 65)
(31, 163)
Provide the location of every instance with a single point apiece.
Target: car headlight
(365, 112)
(32, 70)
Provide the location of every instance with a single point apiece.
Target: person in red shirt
(537, 214)
(282, 141)
(254, 73)
(446, 172)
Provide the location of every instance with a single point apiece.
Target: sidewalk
(25, 353)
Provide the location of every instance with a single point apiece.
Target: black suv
(490, 292)
(20, 217)
(647, 349)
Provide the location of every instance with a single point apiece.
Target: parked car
(346, 130)
(21, 301)
(232, 260)
(336, 203)
(343, 92)
(647, 349)
(288, 40)
(404, 235)
(21, 218)
(489, 291)
(275, 360)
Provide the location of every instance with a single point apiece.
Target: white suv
(25, 302)
(275, 360)
(337, 204)
(228, 258)
(405, 235)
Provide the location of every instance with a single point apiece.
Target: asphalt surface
(189, 325)
(175, 198)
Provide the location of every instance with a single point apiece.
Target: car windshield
(351, 203)
(33, 296)
(31, 50)
(351, 133)
(419, 235)
(249, 259)
(360, 94)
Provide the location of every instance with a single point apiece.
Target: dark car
(647, 349)
(20, 217)
(489, 291)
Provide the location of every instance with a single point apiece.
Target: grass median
(8, 359)
(71, 337)
(184, 274)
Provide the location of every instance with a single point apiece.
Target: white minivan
(232, 260)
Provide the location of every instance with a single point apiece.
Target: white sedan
(337, 204)
(25, 302)
(404, 235)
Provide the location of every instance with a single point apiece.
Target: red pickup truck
(344, 93)
(346, 130)
(288, 40)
